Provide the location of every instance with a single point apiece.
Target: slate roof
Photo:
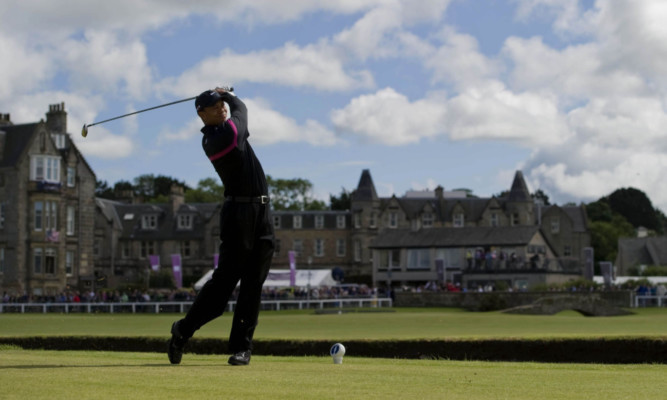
(131, 216)
(17, 138)
(642, 251)
(308, 218)
(455, 237)
(365, 189)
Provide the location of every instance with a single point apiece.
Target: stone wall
(477, 301)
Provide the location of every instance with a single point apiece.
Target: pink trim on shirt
(230, 147)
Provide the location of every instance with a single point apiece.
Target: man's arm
(238, 115)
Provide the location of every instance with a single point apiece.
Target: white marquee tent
(281, 278)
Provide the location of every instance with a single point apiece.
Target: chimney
(439, 192)
(5, 120)
(177, 197)
(56, 118)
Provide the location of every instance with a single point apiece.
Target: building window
(59, 140)
(340, 248)
(419, 259)
(276, 248)
(2, 260)
(357, 220)
(50, 261)
(567, 251)
(185, 249)
(297, 246)
(393, 220)
(2, 215)
(147, 248)
(555, 225)
(357, 250)
(51, 215)
(185, 221)
(390, 259)
(459, 220)
(340, 222)
(373, 220)
(297, 222)
(69, 263)
(125, 250)
(149, 222)
(494, 219)
(39, 211)
(45, 168)
(319, 221)
(37, 260)
(96, 248)
(70, 221)
(276, 222)
(319, 247)
(515, 219)
(71, 176)
(427, 220)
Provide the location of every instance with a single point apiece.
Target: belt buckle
(264, 199)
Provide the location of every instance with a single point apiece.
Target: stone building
(47, 208)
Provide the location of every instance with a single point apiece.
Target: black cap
(207, 99)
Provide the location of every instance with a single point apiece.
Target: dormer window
(59, 140)
(185, 221)
(149, 221)
(459, 220)
(427, 220)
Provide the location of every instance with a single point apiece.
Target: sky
(456, 93)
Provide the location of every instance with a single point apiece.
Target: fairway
(403, 324)
(104, 375)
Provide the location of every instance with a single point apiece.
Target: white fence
(650, 301)
(182, 307)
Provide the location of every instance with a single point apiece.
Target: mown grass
(116, 375)
(305, 325)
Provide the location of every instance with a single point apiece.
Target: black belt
(248, 199)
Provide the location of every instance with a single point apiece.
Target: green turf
(114, 375)
(402, 324)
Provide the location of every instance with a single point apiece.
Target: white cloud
(389, 117)
(27, 70)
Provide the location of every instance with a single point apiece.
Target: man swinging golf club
(246, 234)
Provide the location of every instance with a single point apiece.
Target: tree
(605, 235)
(103, 190)
(292, 194)
(208, 190)
(342, 202)
(155, 189)
(540, 195)
(636, 207)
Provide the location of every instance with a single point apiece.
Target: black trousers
(246, 250)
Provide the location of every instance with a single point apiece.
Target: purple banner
(216, 257)
(292, 267)
(176, 267)
(155, 262)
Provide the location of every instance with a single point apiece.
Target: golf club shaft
(140, 111)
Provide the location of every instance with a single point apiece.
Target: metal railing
(182, 307)
(650, 301)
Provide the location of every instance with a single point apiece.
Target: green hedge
(602, 350)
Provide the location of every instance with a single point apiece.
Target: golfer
(246, 234)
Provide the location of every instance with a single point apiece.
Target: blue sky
(458, 93)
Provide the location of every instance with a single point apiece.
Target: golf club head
(84, 130)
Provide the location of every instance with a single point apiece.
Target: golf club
(84, 130)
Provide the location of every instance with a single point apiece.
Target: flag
(292, 267)
(216, 257)
(155, 262)
(176, 268)
(52, 235)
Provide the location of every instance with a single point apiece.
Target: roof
(131, 216)
(519, 190)
(642, 251)
(16, 140)
(365, 189)
(456, 237)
